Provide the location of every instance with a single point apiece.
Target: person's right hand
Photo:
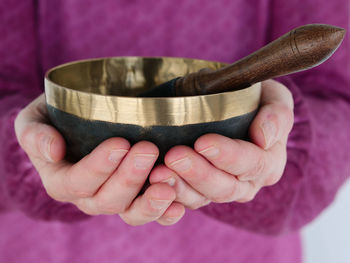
(107, 181)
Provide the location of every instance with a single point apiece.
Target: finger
(274, 120)
(172, 215)
(213, 183)
(150, 206)
(277, 162)
(66, 182)
(235, 157)
(42, 142)
(185, 194)
(84, 178)
(118, 192)
(258, 181)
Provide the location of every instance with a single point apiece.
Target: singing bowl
(89, 101)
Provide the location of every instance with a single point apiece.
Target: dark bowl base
(82, 136)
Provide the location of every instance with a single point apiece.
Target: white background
(327, 238)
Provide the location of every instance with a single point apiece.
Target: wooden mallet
(302, 48)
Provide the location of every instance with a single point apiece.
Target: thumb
(274, 119)
(38, 139)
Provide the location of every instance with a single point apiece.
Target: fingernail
(116, 155)
(45, 147)
(159, 204)
(269, 131)
(170, 181)
(144, 161)
(210, 152)
(182, 165)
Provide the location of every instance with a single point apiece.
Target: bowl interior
(131, 75)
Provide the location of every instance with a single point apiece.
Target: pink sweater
(39, 34)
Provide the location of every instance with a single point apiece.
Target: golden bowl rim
(91, 105)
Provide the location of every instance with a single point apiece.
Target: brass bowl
(92, 100)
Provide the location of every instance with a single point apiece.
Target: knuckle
(81, 194)
(249, 176)
(75, 189)
(76, 192)
(258, 169)
(260, 166)
(227, 195)
(230, 163)
(90, 169)
(96, 172)
(203, 176)
(130, 181)
(104, 206)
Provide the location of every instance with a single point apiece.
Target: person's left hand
(220, 169)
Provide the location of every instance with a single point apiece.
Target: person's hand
(107, 181)
(220, 169)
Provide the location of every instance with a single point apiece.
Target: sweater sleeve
(317, 149)
(20, 185)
